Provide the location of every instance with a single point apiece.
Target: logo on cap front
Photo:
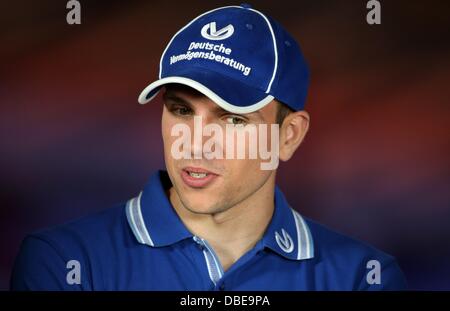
(209, 32)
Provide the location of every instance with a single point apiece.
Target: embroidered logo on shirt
(285, 242)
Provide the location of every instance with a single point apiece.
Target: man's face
(210, 186)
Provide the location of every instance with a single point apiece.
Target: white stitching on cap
(275, 68)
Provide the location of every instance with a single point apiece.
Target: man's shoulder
(45, 255)
(86, 235)
(331, 244)
(352, 263)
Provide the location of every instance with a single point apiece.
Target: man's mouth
(196, 177)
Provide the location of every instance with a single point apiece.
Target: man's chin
(200, 207)
(199, 204)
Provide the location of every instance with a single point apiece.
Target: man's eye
(236, 120)
(182, 111)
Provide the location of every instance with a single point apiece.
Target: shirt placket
(215, 269)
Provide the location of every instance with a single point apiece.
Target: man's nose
(205, 131)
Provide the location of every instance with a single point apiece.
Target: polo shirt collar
(151, 216)
(288, 233)
(154, 222)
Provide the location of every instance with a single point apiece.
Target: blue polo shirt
(143, 245)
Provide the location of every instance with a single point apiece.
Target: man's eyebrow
(257, 112)
(175, 98)
(220, 110)
(217, 109)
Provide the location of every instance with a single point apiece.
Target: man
(234, 82)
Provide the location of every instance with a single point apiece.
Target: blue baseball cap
(238, 57)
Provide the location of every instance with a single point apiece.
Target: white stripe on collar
(136, 221)
(305, 248)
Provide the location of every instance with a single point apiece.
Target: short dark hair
(282, 112)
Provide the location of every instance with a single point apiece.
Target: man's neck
(233, 232)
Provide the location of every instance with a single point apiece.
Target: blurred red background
(375, 164)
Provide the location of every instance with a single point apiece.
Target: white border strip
(131, 222)
(213, 255)
(147, 237)
(206, 91)
(208, 264)
(299, 237)
(136, 221)
(304, 239)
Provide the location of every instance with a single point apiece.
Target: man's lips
(197, 177)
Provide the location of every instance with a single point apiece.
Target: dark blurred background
(375, 164)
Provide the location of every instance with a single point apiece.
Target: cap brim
(231, 95)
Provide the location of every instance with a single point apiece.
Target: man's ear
(292, 132)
